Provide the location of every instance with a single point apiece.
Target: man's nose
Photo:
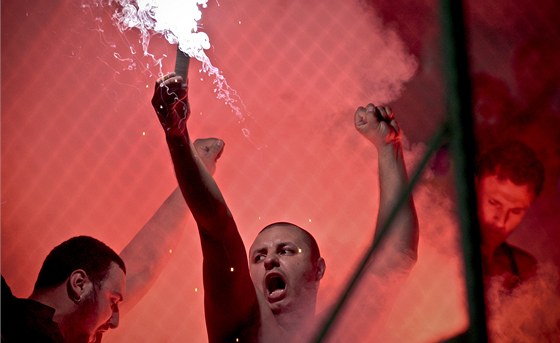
(500, 218)
(271, 261)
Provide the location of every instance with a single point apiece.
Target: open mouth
(275, 286)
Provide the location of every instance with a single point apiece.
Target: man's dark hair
(513, 161)
(315, 253)
(81, 252)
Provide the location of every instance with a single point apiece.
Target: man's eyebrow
(279, 245)
(258, 250)
(289, 245)
(283, 244)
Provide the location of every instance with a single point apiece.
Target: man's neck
(56, 299)
(489, 250)
(499, 260)
(298, 325)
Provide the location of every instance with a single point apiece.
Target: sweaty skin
(274, 299)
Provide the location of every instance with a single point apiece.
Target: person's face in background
(501, 207)
(99, 311)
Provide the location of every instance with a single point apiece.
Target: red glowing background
(83, 152)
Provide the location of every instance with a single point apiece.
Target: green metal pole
(463, 147)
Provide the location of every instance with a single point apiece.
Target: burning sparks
(177, 21)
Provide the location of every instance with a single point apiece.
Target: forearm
(403, 232)
(149, 251)
(199, 189)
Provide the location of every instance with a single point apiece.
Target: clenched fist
(377, 124)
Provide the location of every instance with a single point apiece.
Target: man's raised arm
(151, 248)
(378, 125)
(229, 295)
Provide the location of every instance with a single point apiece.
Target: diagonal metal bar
(330, 320)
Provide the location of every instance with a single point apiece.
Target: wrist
(389, 149)
(389, 146)
(175, 128)
(177, 137)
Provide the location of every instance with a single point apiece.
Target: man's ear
(78, 285)
(321, 267)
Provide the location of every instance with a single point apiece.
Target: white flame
(177, 21)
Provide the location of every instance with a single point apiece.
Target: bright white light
(177, 21)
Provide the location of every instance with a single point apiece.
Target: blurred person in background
(509, 177)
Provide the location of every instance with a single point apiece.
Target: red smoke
(83, 153)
